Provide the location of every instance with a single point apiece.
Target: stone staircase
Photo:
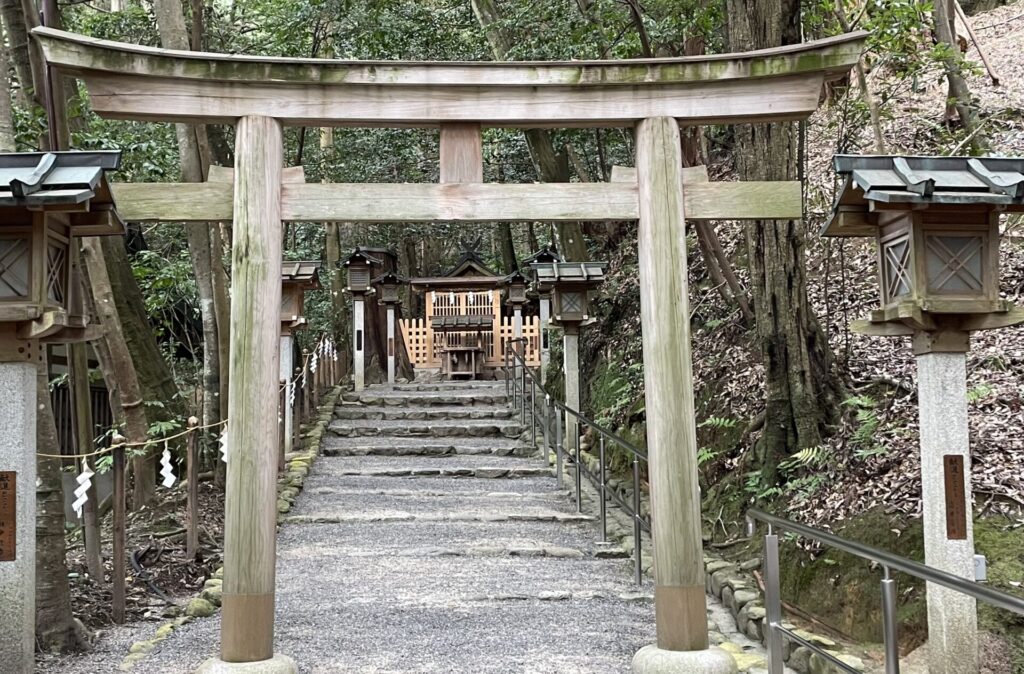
(439, 542)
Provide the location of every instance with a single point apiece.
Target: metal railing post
(547, 427)
(558, 447)
(637, 541)
(533, 414)
(579, 471)
(889, 626)
(772, 602)
(604, 498)
(522, 411)
(507, 374)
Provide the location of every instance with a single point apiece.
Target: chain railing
(534, 402)
(889, 563)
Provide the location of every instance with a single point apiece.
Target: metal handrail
(889, 563)
(517, 373)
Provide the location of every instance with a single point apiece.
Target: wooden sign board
(8, 516)
(956, 499)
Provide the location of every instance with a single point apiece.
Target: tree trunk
(6, 112)
(802, 394)
(959, 92)
(552, 166)
(508, 248)
(170, 21)
(150, 368)
(30, 74)
(56, 628)
(136, 426)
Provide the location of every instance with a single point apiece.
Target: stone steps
(334, 446)
(382, 516)
(490, 397)
(353, 411)
(440, 428)
(444, 386)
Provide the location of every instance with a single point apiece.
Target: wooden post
(358, 333)
(282, 436)
(946, 500)
(250, 519)
(294, 411)
(192, 495)
(119, 571)
(82, 423)
(391, 344)
(680, 605)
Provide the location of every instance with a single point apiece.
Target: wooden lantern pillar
(388, 285)
(297, 278)
(359, 265)
(571, 283)
(936, 223)
(47, 200)
(543, 256)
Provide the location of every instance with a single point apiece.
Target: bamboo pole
(247, 624)
(680, 605)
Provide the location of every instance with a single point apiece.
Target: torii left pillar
(18, 371)
(250, 508)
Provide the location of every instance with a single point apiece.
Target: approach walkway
(431, 538)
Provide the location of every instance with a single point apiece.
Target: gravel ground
(498, 592)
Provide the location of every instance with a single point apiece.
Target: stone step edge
(553, 551)
(437, 451)
(481, 473)
(385, 518)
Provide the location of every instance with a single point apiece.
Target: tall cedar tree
(802, 394)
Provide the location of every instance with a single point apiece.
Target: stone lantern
(47, 200)
(936, 224)
(297, 278)
(544, 255)
(360, 266)
(572, 283)
(388, 285)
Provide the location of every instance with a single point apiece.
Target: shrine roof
(876, 182)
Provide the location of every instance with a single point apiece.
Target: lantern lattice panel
(15, 261)
(954, 263)
(896, 274)
(56, 273)
(572, 303)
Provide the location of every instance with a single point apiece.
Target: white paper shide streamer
(82, 490)
(166, 470)
(313, 361)
(224, 444)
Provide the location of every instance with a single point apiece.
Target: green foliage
(978, 393)
(718, 423)
(864, 438)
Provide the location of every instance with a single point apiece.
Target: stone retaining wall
(734, 584)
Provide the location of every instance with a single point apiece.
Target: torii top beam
(128, 81)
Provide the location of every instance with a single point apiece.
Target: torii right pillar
(680, 603)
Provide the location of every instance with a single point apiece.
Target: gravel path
(454, 563)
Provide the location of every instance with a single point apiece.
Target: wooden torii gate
(261, 94)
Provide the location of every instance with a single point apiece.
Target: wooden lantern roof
(589, 273)
(301, 273)
(389, 277)
(71, 182)
(872, 184)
